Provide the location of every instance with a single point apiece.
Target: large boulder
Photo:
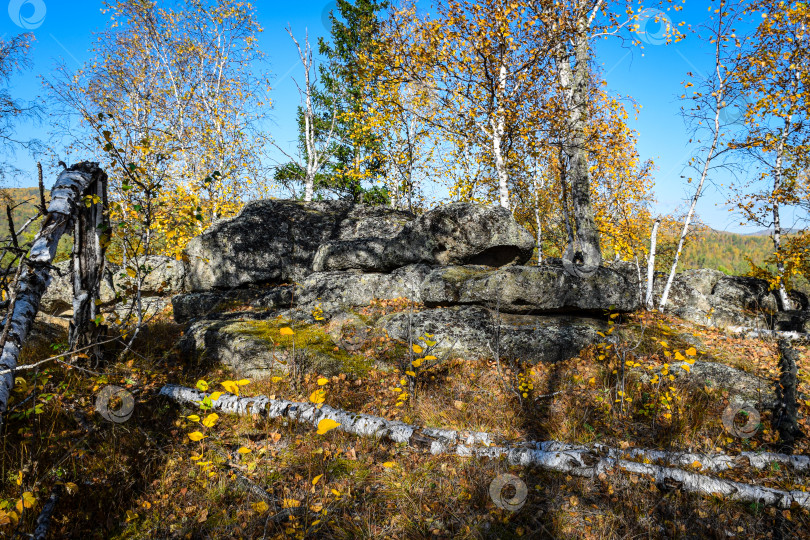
(162, 276)
(58, 297)
(199, 305)
(531, 289)
(275, 241)
(474, 332)
(458, 233)
(337, 290)
(712, 298)
(256, 348)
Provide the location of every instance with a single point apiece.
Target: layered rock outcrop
(456, 272)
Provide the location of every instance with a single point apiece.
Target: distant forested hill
(726, 251)
(24, 202)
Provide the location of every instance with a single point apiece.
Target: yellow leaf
(417, 362)
(19, 478)
(327, 424)
(202, 385)
(429, 357)
(276, 379)
(335, 492)
(411, 373)
(687, 368)
(230, 386)
(317, 397)
(193, 417)
(196, 436)
(71, 488)
(322, 381)
(260, 507)
(290, 503)
(691, 351)
(244, 450)
(215, 395)
(243, 382)
(417, 348)
(679, 356)
(210, 420)
(696, 464)
(287, 331)
(131, 515)
(316, 479)
(388, 464)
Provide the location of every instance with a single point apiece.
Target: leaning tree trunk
(66, 196)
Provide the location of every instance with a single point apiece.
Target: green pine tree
(354, 31)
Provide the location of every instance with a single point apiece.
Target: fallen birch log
(749, 332)
(552, 455)
(65, 197)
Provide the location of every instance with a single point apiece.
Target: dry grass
(143, 479)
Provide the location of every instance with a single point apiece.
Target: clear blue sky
(652, 76)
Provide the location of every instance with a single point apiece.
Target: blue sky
(652, 76)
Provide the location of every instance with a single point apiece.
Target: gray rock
(531, 289)
(273, 241)
(196, 305)
(161, 276)
(337, 290)
(458, 233)
(58, 297)
(471, 332)
(711, 298)
(248, 347)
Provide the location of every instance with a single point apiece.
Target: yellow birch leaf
(327, 424)
(210, 420)
(316, 479)
(196, 436)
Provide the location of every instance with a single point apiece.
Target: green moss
(314, 344)
(460, 273)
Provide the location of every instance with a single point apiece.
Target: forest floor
(146, 478)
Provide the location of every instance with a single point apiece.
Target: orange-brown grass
(144, 478)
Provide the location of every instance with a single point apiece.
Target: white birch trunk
(552, 455)
(65, 197)
(718, 100)
(777, 225)
(498, 131)
(648, 299)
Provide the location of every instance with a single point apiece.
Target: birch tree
(775, 136)
(480, 60)
(316, 148)
(713, 93)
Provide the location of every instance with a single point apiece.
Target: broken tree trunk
(34, 279)
(787, 411)
(552, 455)
(90, 233)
